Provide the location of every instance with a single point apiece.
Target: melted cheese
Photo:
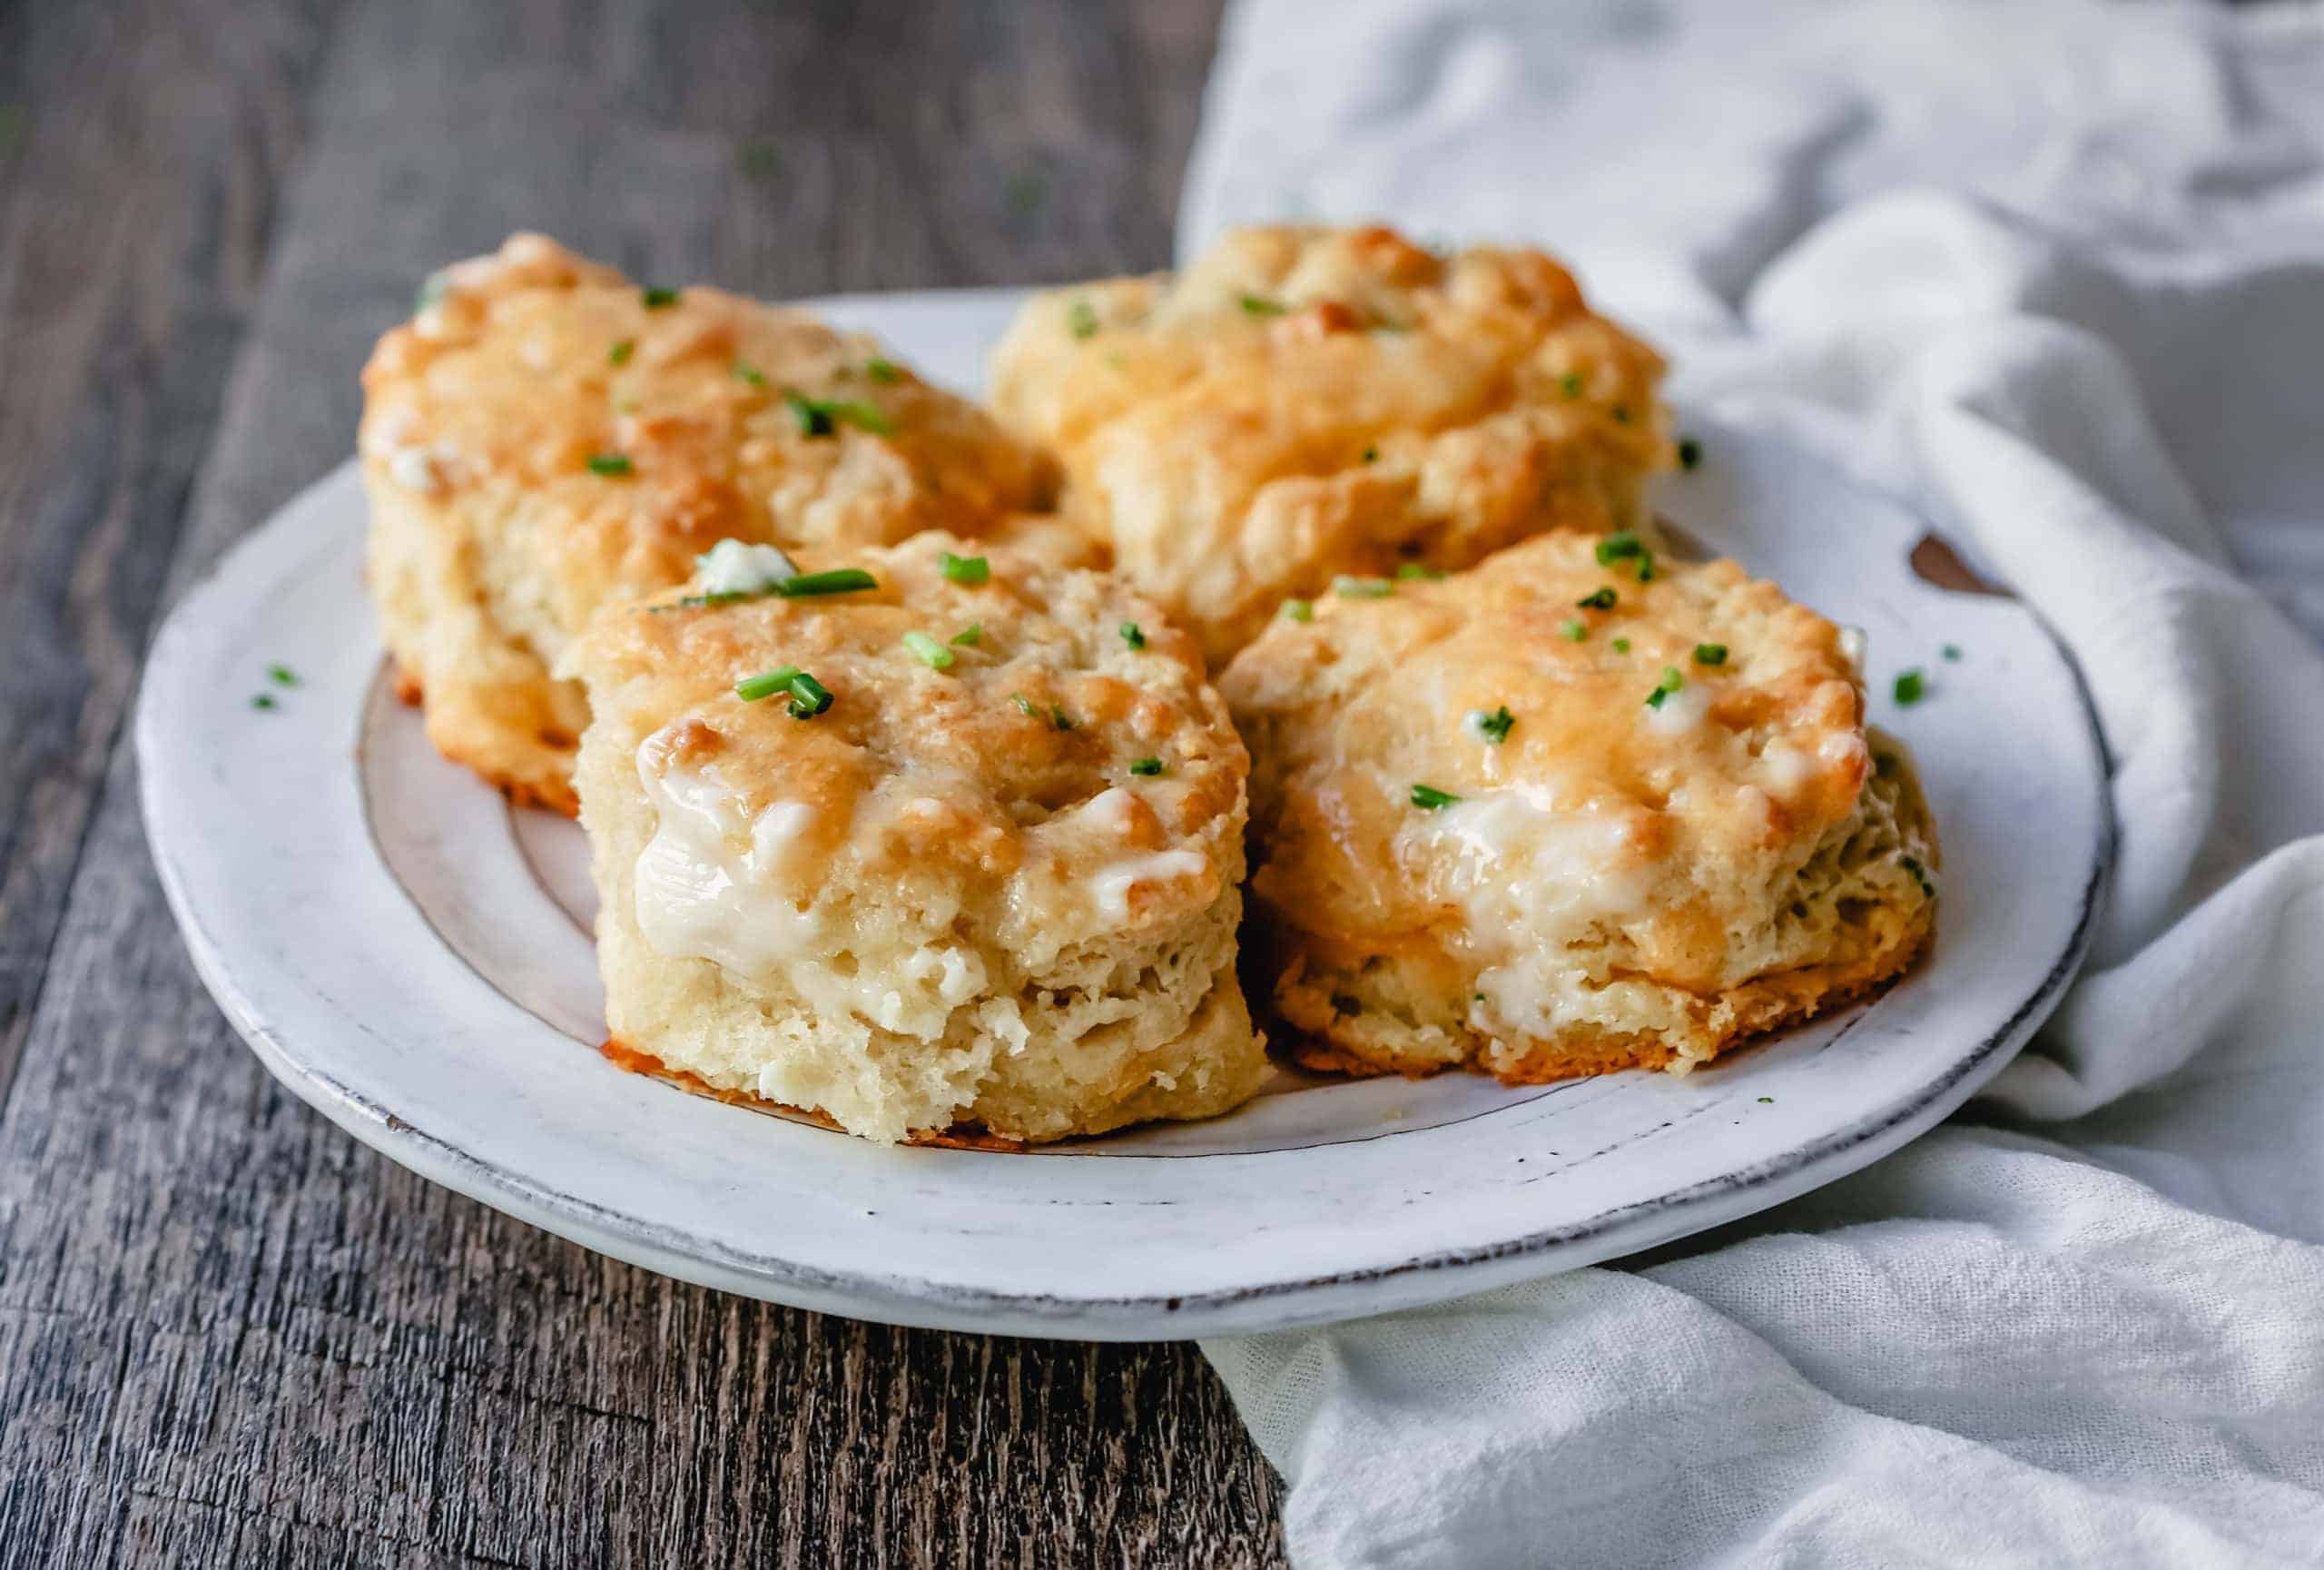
(738, 891)
(1111, 885)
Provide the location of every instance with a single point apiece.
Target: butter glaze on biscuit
(1003, 892)
(546, 438)
(1482, 841)
(1306, 403)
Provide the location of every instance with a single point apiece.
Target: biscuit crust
(1306, 402)
(1002, 892)
(1479, 845)
(494, 540)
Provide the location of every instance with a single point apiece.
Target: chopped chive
(970, 636)
(1671, 682)
(1598, 599)
(1133, 635)
(1570, 384)
(1621, 414)
(1149, 766)
(1371, 455)
(1082, 319)
(1494, 727)
(1362, 588)
(610, 463)
(1911, 687)
(820, 416)
(1951, 651)
(1428, 798)
(1690, 452)
(1410, 570)
(1024, 704)
(883, 370)
(620, 352)
(839, 581)
(263, 700)
(1766, 1101)
(929, 652)
(430, 292)
(1710, 654)
(723, 596)
(751, 689)
(655, 299)
(1574, 631)
(281, 675)
(1622, 645)
(1299, 609)
(809, 697)
(1619, 546)
(748, 373)
(1259, 305)
(1059, 718)
(968, 569)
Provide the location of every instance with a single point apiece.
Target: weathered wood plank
(231, 1335)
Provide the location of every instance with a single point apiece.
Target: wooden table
(229, 1334)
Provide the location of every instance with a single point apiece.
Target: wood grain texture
(229, 1335)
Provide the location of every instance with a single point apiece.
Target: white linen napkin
(2054, 275)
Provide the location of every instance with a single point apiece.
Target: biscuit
(1301, 403)
(1543, 819)
(545, 438)
(995, 882)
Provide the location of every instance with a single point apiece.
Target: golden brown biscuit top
(1068, 769)
(1391, 382)
(636, 426)
(1505, 723)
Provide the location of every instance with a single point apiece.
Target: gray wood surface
(229, 1335)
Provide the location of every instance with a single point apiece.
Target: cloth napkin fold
(2053, 276)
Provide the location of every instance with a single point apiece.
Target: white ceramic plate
(412, 958)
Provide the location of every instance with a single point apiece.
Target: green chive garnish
(1059, 718)
(1910, 687)
(1362, 588)
(1428, 798)
(1133, 635)
(1620, 546)
(610, 463)
(1622, 645)
(1493, 726)
(1570, 384)
(1299, 609)
(1412, 569)
(819, 416)
(1951, 651)
(1621, 415)
(929, 652)
(620, 352)
(655, 299)
(1024, 704)
(1259, 305)
(1082, 319)
(263, 700)
(430, 293)
(752, 689)
(1671, 682)
(1371, 455)
(1690, 452)
(748, 373)
(839, 581)
(968, 569)
(1574, 631)
(970, 636)
(281, 675)
(1710, 654)
(1596, 599)
(809, 697)
(883, 370)
(1146, 765)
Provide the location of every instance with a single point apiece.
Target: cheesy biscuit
(1304, 402)
(1573, 810)
(546, 438)
(945, 839)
